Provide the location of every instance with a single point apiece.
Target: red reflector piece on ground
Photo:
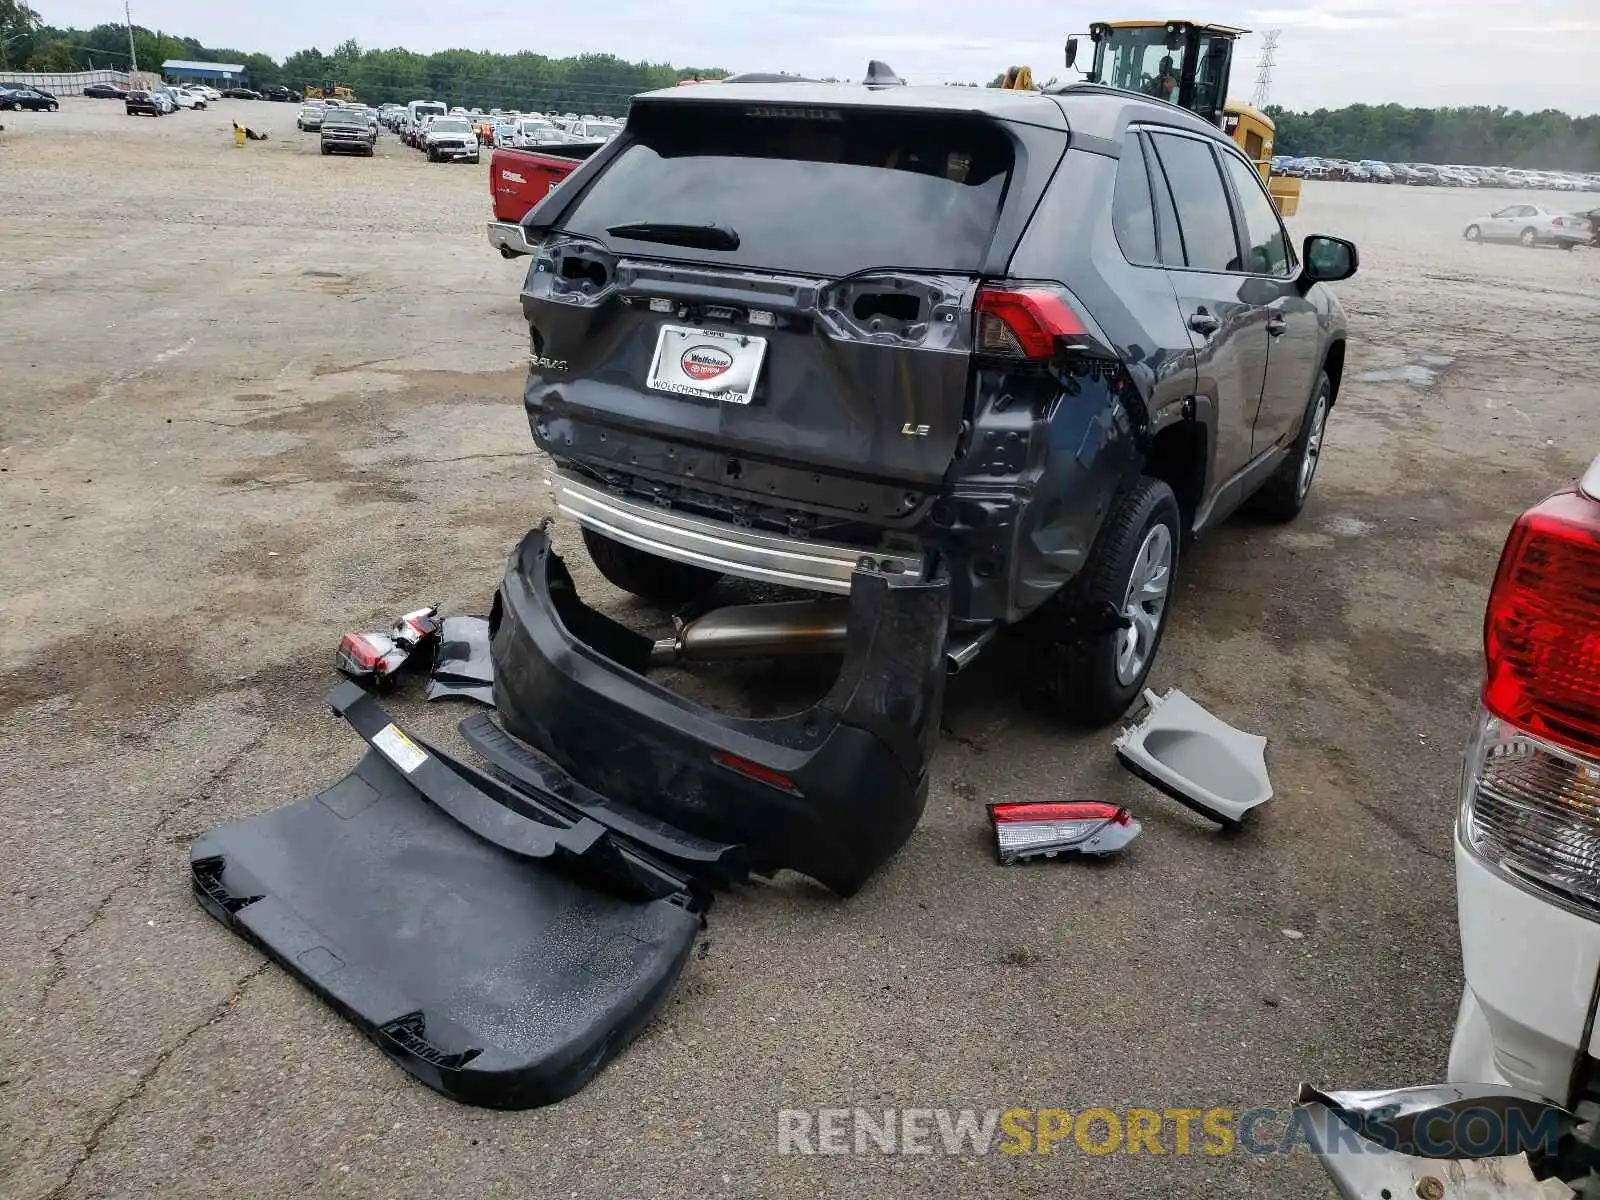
(754, 770)
(363, 653)
(1542, 628)
(1049, 828)
(1046, 810)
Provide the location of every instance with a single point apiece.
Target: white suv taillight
(1531, 790)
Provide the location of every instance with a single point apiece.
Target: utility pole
(133, 54)
(1264, 65)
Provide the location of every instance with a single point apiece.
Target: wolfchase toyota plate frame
(710, 364)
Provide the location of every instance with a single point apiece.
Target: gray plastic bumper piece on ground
(1199, 760)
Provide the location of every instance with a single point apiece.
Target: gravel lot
(254, 398)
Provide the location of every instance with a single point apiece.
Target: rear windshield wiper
(671, 233)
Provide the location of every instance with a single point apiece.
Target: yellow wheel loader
(1186, 63)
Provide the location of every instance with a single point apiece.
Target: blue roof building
(220, 74)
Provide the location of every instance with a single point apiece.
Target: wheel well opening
(1178, 458)
(1335, 368)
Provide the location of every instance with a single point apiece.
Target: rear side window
(1202, 205)
(1132, 216)
(816, 190)
(1268, 252)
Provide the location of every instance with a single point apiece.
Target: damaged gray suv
(1029, 343)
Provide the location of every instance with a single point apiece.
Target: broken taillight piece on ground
(380, 655)
(1047, 828)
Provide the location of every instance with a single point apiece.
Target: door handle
(1204, 322)
(1276, 326)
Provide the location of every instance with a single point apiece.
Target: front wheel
(1473, 233)
(1283, 495)
(659, 581)
(1096, 674)
(1530, 237)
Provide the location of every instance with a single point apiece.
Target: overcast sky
(1527, 54)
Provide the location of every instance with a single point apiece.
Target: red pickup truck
(519, 179)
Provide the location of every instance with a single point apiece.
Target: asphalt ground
(254, 398)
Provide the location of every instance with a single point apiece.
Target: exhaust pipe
(741, 631)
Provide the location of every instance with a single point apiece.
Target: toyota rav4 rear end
(774, 336)
(772, 332)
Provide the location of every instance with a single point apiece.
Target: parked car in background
(281, 94)
(309, 118)
(205, 90)
(348, 131)
(1378, 172)
(105, 91)
(14, 97)
(504, 131)
(591, 129)
(1530, 225)
(1313, 168)
(241, 93)
(142, 103)
(450, 139)
(536, 131)
(180, 97)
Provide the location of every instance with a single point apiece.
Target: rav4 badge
(705, 362)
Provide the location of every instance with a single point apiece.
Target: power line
(1264, 65)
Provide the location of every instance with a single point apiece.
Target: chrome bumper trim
(716, 546)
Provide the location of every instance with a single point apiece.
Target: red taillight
(1542, 630)
(1066, 811)
(754, 770)
(1025, 322)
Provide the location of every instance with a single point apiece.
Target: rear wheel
(1473, 233)
(658, 580)
(1283, 495)
(1530, 237)
(1131, 571)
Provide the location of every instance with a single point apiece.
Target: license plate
(709, 363)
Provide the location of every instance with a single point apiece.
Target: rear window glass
(830, 192)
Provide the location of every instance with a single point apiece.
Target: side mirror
(1072, 51)
(1328, 259)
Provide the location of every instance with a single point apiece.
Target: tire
(327, 150)
(1096, 677)
(1284, 494)
(1568, 245)
(1530, 237)
(1473, 233)
(432, 156)
(659, 581)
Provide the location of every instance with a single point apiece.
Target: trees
(1480, 136)
(18, 26)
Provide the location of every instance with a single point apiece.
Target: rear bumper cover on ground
(831, 791)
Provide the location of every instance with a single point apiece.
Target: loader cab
(1182, 62)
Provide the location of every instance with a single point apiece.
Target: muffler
(785, 629)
